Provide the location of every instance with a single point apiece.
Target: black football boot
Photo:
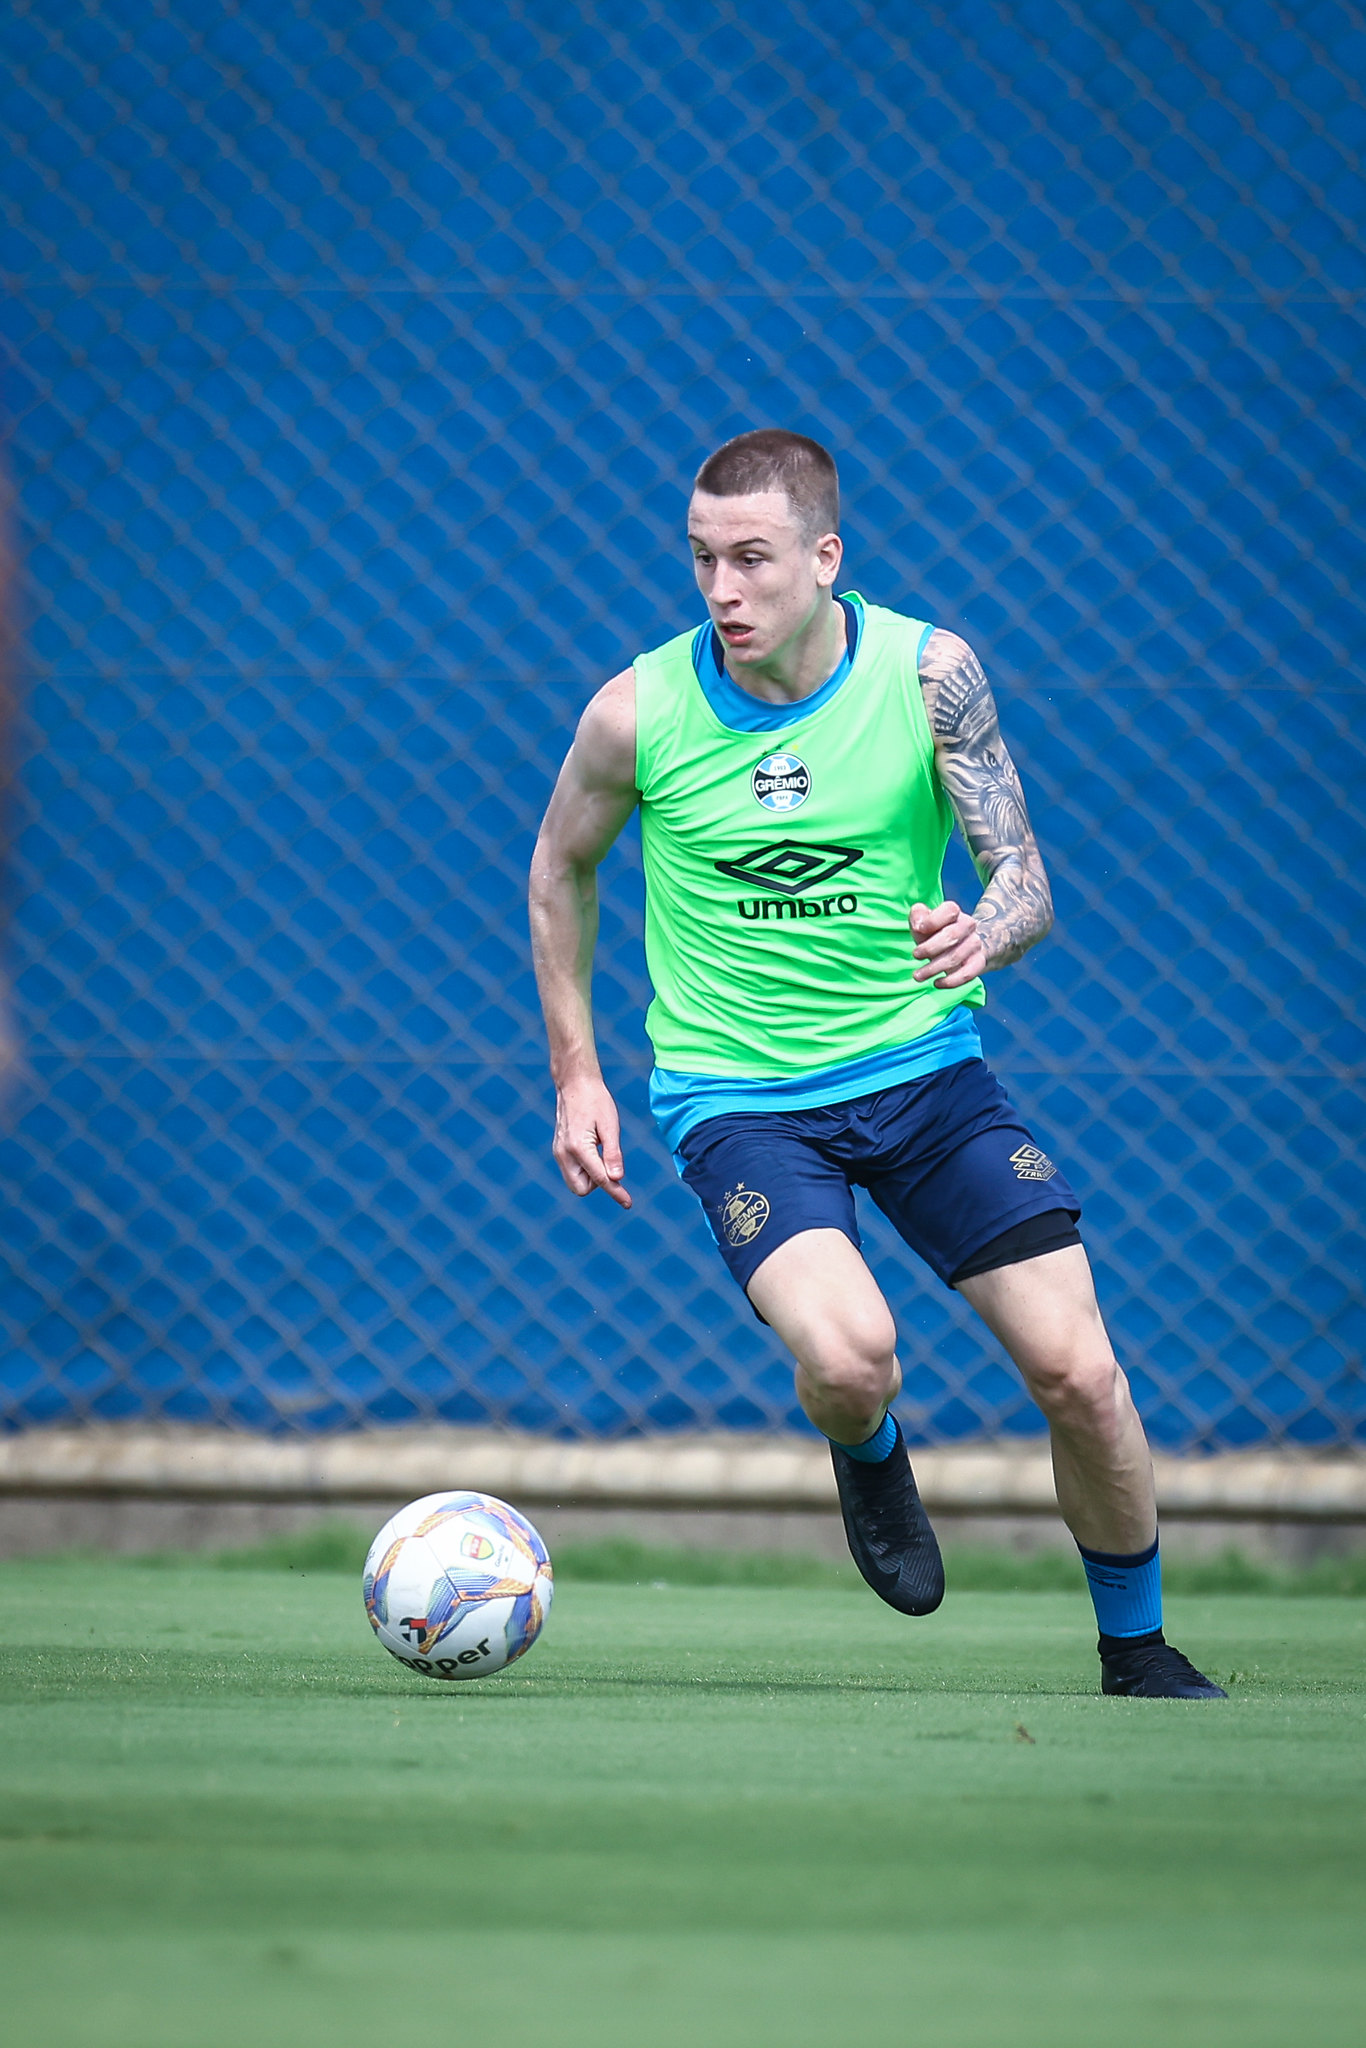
(1148, 1668)
(889, 1532)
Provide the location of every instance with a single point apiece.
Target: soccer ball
(457, 1585)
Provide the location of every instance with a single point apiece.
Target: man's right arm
(594, 796)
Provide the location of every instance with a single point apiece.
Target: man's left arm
(1016, 906)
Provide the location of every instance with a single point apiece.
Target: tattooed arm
(1016, 907)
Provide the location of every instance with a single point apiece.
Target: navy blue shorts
(945, 1158)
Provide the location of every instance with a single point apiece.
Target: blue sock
(1125, 1591)
(874, 1449)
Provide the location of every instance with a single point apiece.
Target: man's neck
(798, 670)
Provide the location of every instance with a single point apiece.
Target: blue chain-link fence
(359, 358)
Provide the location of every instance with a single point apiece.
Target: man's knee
(1081, 1389)
(852, 1352)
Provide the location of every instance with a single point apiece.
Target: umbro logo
(1032, 1164)
(790, 867)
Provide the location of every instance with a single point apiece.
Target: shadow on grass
(34, 1673)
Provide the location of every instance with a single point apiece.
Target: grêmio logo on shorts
(790, 873)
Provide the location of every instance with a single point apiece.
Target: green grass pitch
(724, 1817)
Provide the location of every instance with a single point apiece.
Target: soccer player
(798, 762)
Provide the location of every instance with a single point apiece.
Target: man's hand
(950, 943)
(587, 1143)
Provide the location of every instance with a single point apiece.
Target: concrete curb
(715, 1472)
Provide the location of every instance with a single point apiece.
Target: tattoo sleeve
(980, 779)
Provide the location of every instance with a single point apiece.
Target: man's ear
(829, 555)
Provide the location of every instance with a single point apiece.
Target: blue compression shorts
(946, 1158)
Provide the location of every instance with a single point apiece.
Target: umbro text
(759, 908)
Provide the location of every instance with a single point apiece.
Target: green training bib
(780, 867)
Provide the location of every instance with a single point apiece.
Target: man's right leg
(781, 1208)
(819, 1296)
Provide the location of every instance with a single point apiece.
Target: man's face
(763, 579)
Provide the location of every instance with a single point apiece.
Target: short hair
(772, 459)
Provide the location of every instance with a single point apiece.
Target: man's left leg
(1045, 1313)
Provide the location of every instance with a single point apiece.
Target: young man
(798, 763)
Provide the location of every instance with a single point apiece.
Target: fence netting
(358, 359)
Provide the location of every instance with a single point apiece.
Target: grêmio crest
(781, 782)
